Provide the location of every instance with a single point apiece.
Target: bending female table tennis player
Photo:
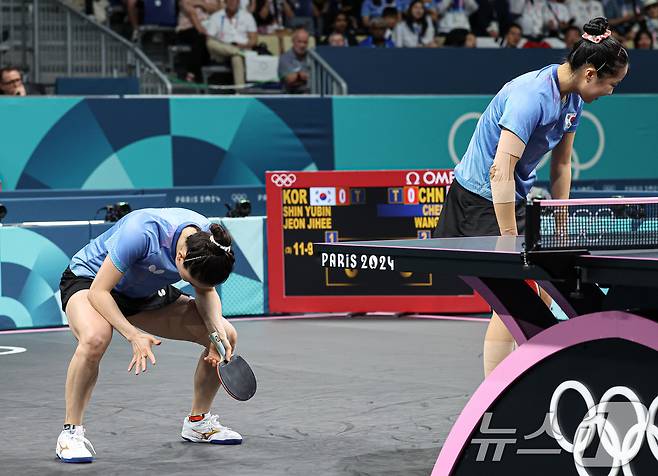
(531, 115)
(123, 280)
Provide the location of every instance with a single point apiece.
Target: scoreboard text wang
(311, 207)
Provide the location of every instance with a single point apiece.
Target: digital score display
(304, 208)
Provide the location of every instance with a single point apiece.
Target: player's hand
(213, 357)
(142, 344)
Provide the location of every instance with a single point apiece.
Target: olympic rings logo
(595, 422)
(576, 164)
(283, 180)
(236, 197)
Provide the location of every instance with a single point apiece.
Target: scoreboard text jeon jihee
(312, 207)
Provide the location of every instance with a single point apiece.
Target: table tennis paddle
(236, 376)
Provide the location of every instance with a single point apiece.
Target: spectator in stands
(294, 66)
(621, 14)
(351, 9)
(336, 39)
(643, 40)
(321, 15)
(556, 17)
(249, 5)
(430, 8)
(459, 38)
(341, 25)
(11, 82)
(536, 43)
(571, 36)
(132, 12)
(300, 14)
(484, 22)
(374, 8)
(391, 17)
(582, 11)
(513, 37)
(532, 18)
(377, 38)
(454, 14)
(230, 31)
(416, 29)
(268, 15)
(190, 31)
(650, 8)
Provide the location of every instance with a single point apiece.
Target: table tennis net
(592, 224)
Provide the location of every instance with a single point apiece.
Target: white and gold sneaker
(73, 447)
(209, 430)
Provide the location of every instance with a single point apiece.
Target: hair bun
(220, 234)
(596, 26)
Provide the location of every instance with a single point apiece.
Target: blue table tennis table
(547, 408)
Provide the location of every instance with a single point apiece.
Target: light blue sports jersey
(142, 245)
(530, 107)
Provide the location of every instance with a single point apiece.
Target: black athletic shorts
(465, 213)
(129, 306)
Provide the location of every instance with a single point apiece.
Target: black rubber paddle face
(237, 378)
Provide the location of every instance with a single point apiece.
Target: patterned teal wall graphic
(94, 131)
(31, 267)
(31, 119)
(156, 143)
(248, 138)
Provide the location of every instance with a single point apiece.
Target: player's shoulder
(536, 90)
(162, 217)
(538, 82)
(175, 217)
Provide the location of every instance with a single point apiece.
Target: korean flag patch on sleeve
(568, 120)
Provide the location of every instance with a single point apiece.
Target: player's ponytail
(598, 48)
(210, 256)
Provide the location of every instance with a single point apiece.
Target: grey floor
(335, 397)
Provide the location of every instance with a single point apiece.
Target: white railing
(324, 80)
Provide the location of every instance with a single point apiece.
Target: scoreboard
(304, 208)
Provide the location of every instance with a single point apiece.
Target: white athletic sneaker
(209, 430)
(73, 447)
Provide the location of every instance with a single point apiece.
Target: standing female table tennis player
(531, 115)
(123, 280)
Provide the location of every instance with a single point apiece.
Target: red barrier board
(315, 207)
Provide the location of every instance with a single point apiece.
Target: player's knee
(93, 346)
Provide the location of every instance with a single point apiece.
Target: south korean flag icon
(323, 196)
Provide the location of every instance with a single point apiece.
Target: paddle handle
(214, 337)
